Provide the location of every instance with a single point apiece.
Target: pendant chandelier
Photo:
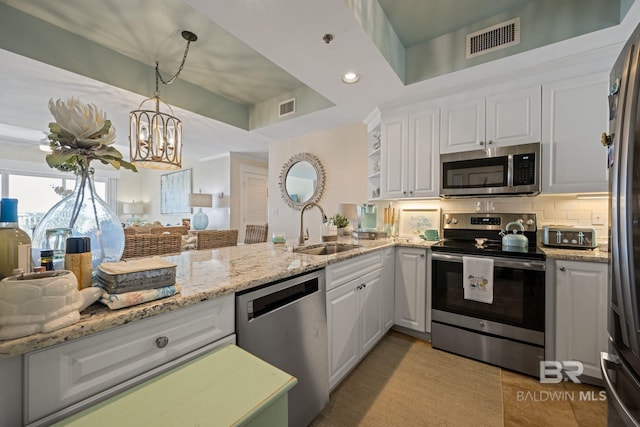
(155, 137)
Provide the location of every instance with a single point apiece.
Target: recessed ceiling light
(350, 78)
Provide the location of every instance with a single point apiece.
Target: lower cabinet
(411, 289)
(355, 293)
(87, 370)
(581, 313)
(388, 288)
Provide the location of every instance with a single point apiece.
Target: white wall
(343, 153)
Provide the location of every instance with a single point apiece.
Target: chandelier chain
(175, 76)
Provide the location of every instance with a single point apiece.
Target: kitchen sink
(326, 248)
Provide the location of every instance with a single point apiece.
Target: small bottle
(15, 244)
(46, 259)
(78, 259)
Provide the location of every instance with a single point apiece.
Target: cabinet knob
(563, 269)
(421, 255)
(404, 192)
(161, 342)
(480, 142)
(364, 285)
(410, 191)
(482, 323)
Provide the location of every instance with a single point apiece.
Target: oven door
(518, 307)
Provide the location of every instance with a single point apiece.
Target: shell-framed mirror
(302, 180)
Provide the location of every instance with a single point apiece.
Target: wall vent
(493, 38)
(287, 107)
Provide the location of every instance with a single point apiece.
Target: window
(37, 194)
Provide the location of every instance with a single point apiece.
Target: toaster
(569, 237)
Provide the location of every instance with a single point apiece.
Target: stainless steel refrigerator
(621, 365)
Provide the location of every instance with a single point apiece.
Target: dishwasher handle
(269, 302)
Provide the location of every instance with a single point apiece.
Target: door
(255, 202)
(514, 117)
(393, 178)
(342, 326)
(370, 296)
(411, 284)
(462, 126)
(423, 168)
(581, 313)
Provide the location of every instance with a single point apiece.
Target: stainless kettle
(514, 240)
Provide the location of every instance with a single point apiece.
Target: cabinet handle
(364, 285)
(563, 269)
(161, 342)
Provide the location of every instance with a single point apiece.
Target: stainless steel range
(488, 301)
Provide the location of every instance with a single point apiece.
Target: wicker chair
(140, 244)
(208, 239)
(180, 229)
(256, 233)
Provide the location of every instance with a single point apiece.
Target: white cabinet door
(410, 300)
(462, 126)
(388, 288)
(423, 168)
(342, 325)
(410, 165)
(393, 178)
(514, 117)
(509, 118)
(581, 313)
(370, 302)
(575, 114)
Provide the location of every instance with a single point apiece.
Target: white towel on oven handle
(477, 278)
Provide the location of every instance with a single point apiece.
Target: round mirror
(301, 180)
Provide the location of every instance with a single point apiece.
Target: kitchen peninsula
(203, 275)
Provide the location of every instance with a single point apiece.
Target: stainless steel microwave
(495, 171)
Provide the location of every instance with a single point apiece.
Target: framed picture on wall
(414, 222)
(174, 192)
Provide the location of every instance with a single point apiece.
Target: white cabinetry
(354, 311)
(575, 114)
(85, 370)
(581, 313)
(506, 119)
(410, 156)
(373, 149)
(411, 289)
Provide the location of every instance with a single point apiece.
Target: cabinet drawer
(68, 373)
(345, 271)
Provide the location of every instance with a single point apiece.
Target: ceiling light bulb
(350, 77)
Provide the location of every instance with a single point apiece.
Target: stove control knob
(482, 324)
(530, 222)
(454, 221)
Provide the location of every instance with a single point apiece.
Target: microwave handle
(497, 262)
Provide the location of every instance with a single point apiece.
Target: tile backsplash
(549, 210)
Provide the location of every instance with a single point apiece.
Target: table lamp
(200, 220)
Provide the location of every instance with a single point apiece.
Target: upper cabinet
(507, 119)
(410, 161)
(575, 114)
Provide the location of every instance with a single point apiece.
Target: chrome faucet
(301, 239)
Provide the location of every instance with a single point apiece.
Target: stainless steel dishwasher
(285, 324)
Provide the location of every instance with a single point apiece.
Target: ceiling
(250, 55)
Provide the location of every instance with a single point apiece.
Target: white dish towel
(477, 279)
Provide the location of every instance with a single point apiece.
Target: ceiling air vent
(287, 107)
(493, 38)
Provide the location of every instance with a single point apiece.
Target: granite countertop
(588, 255)
(210, 273)
(203, 275)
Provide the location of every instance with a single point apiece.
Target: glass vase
(80, 214)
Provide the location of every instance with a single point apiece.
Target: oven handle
(497, 262)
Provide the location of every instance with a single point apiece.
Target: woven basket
(208, 239)
(138, 245)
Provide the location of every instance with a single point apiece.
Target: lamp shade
(348, 210)
(133, 208)
(200, 200)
